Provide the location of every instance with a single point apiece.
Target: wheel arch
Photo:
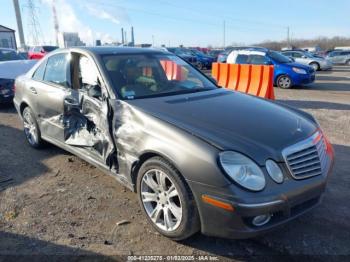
(315, 62)
(143, 157)
(22, 106)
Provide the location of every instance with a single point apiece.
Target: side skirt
(81, 153)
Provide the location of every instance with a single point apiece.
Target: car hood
(306, 67)
(232, 121)
(12, 69)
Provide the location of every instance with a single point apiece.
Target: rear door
(51, 93)
(298, 57)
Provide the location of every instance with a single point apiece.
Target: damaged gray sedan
(201, 158)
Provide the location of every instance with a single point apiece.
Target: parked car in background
(306, 58)
(38, 52)
(185, 54)
(12, 64)
(203, 61)
(287, 73)
(198, 156)
(222, 57)
(339, 57)
(215, 53)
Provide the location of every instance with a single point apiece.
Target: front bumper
(304, 79)
(283, 202)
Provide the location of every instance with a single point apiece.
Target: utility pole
(19, 24)
(123, 36)
(288, 37)
(55, 21)
(153, 40)
(224, 43)
(34, 30)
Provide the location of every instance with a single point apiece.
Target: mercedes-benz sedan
(201, 158)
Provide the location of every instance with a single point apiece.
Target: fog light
(261, 220)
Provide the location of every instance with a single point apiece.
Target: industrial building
(68, 39)
(7, 37)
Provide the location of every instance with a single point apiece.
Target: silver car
(305, 58)
(340, 57)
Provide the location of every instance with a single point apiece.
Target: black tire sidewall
(190, 218)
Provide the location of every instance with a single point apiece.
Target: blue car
(203, 61)
(184, 54)
(287, 73)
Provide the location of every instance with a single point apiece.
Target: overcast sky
(190, 22)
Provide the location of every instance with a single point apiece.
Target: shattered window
(58, 70)
(87, 73)
(150, 75)
(39, 73)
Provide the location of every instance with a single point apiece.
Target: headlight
(274, 171)
(242, 170)
(299, 71)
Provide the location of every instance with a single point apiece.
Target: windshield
(152, 75)
(9, 55)
(279, 57)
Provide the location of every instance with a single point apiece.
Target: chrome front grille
(307, 158)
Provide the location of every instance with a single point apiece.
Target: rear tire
(284, 82)
(315, 66)
(166, 199)
(31, 129)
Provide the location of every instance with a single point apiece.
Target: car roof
(249, 52)
(107, 50)
(7, 49)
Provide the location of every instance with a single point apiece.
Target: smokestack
(132, 36)
(19, 24)
(122, 35)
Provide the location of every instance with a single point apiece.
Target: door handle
(33, 90)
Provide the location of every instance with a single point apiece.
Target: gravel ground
(51, 202)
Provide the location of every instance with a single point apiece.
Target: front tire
(284, 82)
(166, 199)
(31, 128)
(200, 66)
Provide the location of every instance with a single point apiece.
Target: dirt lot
(53, 203)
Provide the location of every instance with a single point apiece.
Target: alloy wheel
(284, 82)
(30, 128)
(161, 200)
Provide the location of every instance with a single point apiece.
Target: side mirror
(304, 56)
(42, 51)
(292, 59)
(95, 92)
